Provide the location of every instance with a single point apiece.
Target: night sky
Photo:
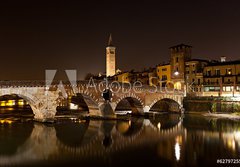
(37, 35)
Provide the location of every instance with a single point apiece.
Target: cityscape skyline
(73, 35)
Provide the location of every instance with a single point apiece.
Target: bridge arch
(165, 105)
(129, 103)
(32, 100)
(89, 102)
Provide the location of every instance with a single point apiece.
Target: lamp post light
(176, 73)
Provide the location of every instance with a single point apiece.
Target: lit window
(229, 71)
(227, 88)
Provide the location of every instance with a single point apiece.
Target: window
(164, 69)
(211, 89)
(229, 71)
(217, 72)
(164, 78)
(238, 88)
(176, 59)
(199, 81)
(227, 88)
(217, 81)
(208, 72)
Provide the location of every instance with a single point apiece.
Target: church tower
(110, 58)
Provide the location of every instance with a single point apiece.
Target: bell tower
(110, 58)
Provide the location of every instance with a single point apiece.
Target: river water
(166, 140)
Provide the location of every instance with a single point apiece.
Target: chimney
(223, 58)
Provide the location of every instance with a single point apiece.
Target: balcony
(211, 76)
(211, 83)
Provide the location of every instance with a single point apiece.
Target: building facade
(164, 74)
(197, 77)
(222, 79)
(179, 54)
(194, 76)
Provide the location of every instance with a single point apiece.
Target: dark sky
(37, 35)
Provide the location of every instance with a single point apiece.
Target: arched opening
(130, 127)
(129, 105)
(15, 105)
(165, 105)
(78, 104)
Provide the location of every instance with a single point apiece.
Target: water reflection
(168, 140)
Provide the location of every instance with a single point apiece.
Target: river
(166, 140)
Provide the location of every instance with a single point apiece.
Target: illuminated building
(110, 58)
(179, 54)
(123, 77)
(222, 79)
(194, 76)
(164, 74)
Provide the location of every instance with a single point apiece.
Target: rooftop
(224, 63)
(180, 46)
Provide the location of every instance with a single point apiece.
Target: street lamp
(176, 73)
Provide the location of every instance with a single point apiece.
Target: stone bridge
(138, 99)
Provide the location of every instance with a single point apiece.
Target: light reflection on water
(168, 140)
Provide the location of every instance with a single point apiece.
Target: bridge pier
(45, 115)
(106, 109)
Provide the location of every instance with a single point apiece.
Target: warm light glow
(237, 135)
(177, 151)
(231, 144)
(5, 121)
(3, 103)
(177, 85)
(10, 103)
(20, 102)
(73, 106)
(178, 139)
(176, 73)
(159, 125)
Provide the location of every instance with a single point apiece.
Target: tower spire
(110, 40)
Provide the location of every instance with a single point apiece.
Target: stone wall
(210, 104)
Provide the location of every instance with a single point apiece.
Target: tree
(88, 76)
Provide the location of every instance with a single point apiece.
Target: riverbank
(232, 116)
(213, 104)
